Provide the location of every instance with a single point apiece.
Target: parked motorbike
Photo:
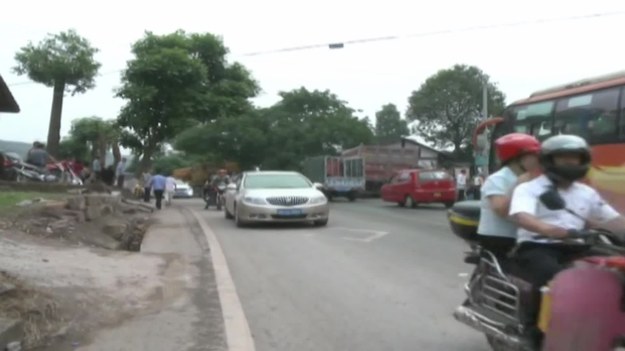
(582, 308)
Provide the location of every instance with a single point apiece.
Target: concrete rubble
(97, 220)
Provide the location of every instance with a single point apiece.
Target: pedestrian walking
(158, 183)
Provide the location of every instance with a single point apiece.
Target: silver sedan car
(267, 196)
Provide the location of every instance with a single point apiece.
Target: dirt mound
(93, 220)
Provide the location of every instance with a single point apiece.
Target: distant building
(7, 101)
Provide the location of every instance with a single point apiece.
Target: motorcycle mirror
(552, 200)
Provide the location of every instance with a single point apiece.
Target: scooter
(582, 308)
(219, 195)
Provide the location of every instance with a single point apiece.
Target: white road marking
(238, 335)
(374, 234)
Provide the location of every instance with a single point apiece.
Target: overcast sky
(520, 59)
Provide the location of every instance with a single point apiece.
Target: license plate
(437, 194)
(290, 212)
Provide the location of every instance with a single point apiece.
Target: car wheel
(351, 197)
(409, 201)
(321, 222)
(237, 220)
(227, 213)
(449, 204)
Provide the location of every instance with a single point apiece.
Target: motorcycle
(215, 196)
(582, 308)
(219, 194)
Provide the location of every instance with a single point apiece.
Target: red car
(410, 187)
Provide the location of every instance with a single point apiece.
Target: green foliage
(64, 61)
(389, 126)
(71, 147)
(90, 137)
(65, 56)
(448, 105)
(302, 124)
(174, 82)
(166, 164)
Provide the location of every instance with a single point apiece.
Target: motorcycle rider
(220, 178)
(541, 253)
(518, 154)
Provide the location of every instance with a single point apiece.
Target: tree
(389, 125)
(244, 139)
(448, 105)
(90, 137)
(174, 82)
(166, 164)
(64, 62)
(304, 123)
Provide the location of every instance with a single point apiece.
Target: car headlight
(254, 200)
(318, 200)
(190, 192)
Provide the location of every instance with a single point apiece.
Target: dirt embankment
(66, 268)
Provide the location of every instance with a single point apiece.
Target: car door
(387, 192)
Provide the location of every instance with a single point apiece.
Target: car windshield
(276, 181)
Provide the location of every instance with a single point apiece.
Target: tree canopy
(180, 89)
(389, 126)
(302, 124)
(90, 137)
(174, 82)
(448, 105)
(64, 62)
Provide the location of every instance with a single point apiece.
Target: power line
(340, 45)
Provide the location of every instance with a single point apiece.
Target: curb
(238, 334)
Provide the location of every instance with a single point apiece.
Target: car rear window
(438, 175)
(276, 181)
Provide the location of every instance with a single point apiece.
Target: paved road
(377, 278)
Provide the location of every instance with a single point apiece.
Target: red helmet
(513, 145)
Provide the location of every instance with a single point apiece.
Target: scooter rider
(541, 253)
(518, 154)
(220, 178)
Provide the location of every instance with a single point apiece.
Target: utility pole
(484, 100)
(484, 153)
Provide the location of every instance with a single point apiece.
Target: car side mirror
(552, 200)
(231, 187)
(318, 186)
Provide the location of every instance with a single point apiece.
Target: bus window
(534, 119)
(592, 116)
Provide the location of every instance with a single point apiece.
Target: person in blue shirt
(158, 183)
(518, 154)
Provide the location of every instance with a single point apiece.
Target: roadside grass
(10, 199)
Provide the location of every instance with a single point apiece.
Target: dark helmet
(565, 144)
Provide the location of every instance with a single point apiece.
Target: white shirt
(477, 180)
(461, 181)
(579, 197)
(491, 224)
(170, 184)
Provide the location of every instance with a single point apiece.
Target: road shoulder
(187, 315)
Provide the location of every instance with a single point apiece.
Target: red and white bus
(593, 108)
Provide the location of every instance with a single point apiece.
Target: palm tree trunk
(54, 129)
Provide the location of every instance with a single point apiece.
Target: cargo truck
(340, 176)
